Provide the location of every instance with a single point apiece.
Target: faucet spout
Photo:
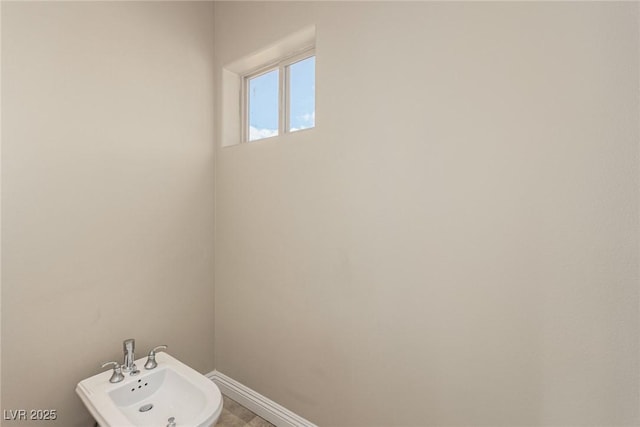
(129, 346)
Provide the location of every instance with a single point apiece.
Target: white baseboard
(257, 403)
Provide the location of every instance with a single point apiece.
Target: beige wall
(107, 192)
(456, 243)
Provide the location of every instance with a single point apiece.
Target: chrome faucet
(129, 358)
(116, 375)
(151, 359)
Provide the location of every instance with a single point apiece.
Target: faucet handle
(160, 347)
(151, 359)
(117, 375)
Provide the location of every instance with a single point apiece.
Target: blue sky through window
(302, 104)
(263, 106)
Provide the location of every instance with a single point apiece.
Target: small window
(280, 98)
(270, 92)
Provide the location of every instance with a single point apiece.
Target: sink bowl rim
(95, 392)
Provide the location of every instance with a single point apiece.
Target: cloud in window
(255, 133)
(306, 121)
(309, 119)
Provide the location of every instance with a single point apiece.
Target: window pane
(302, 93)
(263, 106)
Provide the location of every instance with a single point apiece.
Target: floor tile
(227, 419)
(238, 410)
(259, 422)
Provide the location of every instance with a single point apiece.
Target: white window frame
(282, 65)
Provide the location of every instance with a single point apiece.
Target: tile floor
(236, 415)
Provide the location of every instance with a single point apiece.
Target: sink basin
(152, 397)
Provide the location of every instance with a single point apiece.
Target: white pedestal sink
(171, 390)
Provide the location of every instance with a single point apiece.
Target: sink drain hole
(145, 408)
